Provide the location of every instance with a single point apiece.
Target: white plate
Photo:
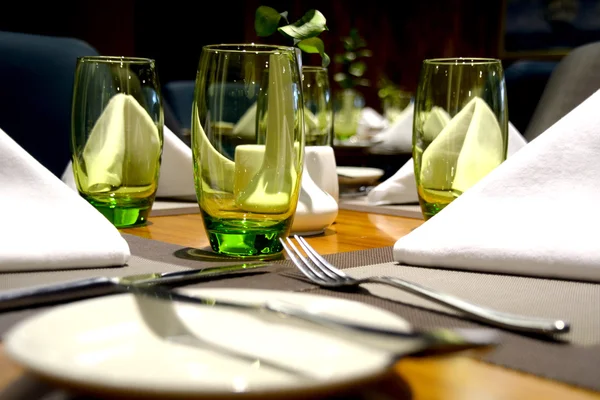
(358, 175)
(105, 345)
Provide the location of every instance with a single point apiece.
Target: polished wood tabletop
(452, 377)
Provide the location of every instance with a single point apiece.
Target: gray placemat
(400, 210)
(136, 265)
(576, 302)
(573, 360)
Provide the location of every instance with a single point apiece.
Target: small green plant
(303, 32)
(353, 66)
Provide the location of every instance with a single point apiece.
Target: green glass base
(247, 239)
(123, 216)
(430, 209)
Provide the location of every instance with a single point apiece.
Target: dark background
(400, 33)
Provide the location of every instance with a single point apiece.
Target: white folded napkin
(176, 170)
(45, 226)
(519, 219)
(176, 179)
(401, 188)
(370, 123)
(397, 138)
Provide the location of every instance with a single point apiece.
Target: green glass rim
(116, 59)
(461, 60)
(246, 47)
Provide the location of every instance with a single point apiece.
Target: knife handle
(57, 293)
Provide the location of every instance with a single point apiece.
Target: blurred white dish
(104, 344)
(358, 175)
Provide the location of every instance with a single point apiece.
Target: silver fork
(321, 272)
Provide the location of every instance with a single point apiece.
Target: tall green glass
(248, 146)
(117, 136)
(460, 129)
(318, 106)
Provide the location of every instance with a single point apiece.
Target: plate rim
(62, 379)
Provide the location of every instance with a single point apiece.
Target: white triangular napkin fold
(519, 218)
(397, 138)
(45, 226)
(401, 187)
(176, 171)
(471, 142)
(370, 123)
(123, 142)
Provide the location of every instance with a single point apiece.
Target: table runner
(573, 360)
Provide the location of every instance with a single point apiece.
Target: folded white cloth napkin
(401, 187)
(519, 219)
(176, 171)
(397, 138)
(113, 157)
(45, 226)
(370, 123)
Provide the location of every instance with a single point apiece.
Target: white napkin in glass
(401, 188)
(113, 157)
(519, 219)
(44, 225)
(176, 171)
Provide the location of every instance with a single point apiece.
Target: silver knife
(414, 342)
(102, 285)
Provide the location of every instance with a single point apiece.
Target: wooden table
(456, 377)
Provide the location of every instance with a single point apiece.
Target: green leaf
(358, 68)
(310, 25)
(326, 60)
(340, 59)
(340, 76)
(315, 45)
(348, 44)
(312, 45)
(266, 21)
(365, 53)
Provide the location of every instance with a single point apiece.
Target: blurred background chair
(525, 83)
(179, 95)
(574, 79)
(36, 89)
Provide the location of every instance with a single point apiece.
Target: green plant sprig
(351, 60)
(303, 32)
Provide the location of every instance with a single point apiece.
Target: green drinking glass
(318, 108)
(117, 136)
(460, 128)
(247, 146)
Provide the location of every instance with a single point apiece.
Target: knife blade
(103, 285)
(400, 342)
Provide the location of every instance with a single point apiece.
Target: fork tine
(324, 265)
(300, 261)
(315, 257)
